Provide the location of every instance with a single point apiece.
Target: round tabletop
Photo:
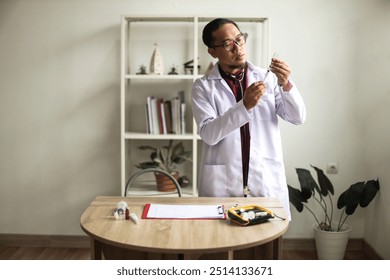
(183, 236)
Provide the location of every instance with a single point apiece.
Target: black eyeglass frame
(228, 43)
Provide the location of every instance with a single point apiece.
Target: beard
(234, 67)
(237, 66)
(240, 63)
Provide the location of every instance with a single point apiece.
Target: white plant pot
(331, 245)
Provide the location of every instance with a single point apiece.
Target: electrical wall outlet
(332, 168)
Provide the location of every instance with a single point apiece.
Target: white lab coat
(219, 118)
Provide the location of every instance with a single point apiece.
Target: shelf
(161, 77)
(238, 19)
(133, 19)
(146, 136)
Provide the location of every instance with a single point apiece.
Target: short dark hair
(212, 26)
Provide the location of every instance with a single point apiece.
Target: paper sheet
(166, 211)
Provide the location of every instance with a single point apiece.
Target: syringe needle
(275, 55)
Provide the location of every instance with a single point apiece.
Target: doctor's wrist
(287, 86)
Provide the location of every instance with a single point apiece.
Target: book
(150, 115)
(175, 115)
(182, 118)
(155, 121)
(166, 117)
(163, 120)
(159, 116)
(147, 118)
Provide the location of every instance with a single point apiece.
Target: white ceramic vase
(331, 245)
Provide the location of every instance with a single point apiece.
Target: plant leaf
(350, 209)
(351, 196)
(341, 201)
(163, 157)
(177, 150)
(155, 156)
(370, 189)
(169, 152)
(323, 180)
(295, 198)
(180, 158)
(168, 156)
(147, 147)
(147, 164)
(306, 180)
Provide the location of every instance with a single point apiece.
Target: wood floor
(48, 253)
(58, 247)
(43, 253)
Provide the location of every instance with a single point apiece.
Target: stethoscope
(239, 78)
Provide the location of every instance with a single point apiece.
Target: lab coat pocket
(214, 181)
(265, 109)
(273, 177)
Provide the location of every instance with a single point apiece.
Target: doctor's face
(233, 60)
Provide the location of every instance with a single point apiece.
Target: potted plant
(166, 158)
(360, 193)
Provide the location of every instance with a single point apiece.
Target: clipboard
(184, 212)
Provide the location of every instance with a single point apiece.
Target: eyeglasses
(229, 44)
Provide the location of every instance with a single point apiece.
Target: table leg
(272, 250)
(230, 255)
(96, 249)
(278, 248)
(268, 251)
(155, 256)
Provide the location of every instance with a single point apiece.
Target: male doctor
(236, 106)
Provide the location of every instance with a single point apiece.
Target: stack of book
(166, 116)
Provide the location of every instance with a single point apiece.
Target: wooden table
(187, 239)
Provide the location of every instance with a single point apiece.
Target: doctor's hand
(282, 72)
(253, 94)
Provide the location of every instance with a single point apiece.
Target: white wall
(374, 90)
(59, 102)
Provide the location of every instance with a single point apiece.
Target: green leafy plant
(166, 158)
(360, 193)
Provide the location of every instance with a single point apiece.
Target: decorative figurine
(189, 66)
(156, 62)
(173, 70)
(142, 70)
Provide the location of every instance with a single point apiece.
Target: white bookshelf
(179, 39)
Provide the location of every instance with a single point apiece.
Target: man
(236, 112)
